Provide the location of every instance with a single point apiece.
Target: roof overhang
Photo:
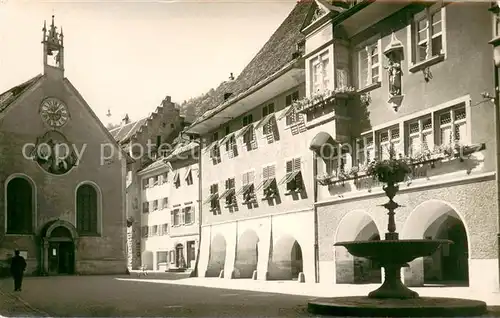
(367, 14)
(290, 76)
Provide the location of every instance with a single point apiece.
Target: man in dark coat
(17, 267)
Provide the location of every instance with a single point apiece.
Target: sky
(126, 56)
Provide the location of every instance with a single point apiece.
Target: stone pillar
(45, 258)
(76, 255)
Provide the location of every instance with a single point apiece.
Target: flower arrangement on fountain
(392, 170)
(320, 98)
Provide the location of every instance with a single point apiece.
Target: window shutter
(295, 96)
(245, 178)
(251, 176)
(264, 111)
(245, 122)
(172, 217)
(265, 173)
(296, 164)
(227, 184)
(288, 100)
(289, 166)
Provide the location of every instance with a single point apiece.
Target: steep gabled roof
(9, 96)
(276, 53)
(123, 133)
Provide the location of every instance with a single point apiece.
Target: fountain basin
(362, 306)
(393, 251)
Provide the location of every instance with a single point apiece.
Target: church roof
(9, 96)
(276, 53)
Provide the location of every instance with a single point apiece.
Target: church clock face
(54, 112)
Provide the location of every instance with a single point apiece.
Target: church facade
(61, 178)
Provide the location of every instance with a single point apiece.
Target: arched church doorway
(59, 248)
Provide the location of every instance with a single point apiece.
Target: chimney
(166, 101)
(231, 77)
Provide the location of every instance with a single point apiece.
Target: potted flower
(324, 179)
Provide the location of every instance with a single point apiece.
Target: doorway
(61, 258)
(191, 253)
(179, 256)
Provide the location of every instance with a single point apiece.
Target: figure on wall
(394, 52)
(54, 154)
(395, 73)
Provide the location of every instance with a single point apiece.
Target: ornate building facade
(343, 84)
(62, 205)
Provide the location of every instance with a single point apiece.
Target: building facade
(62, 204)
(169, 200)
(149, 141)
(351, 82)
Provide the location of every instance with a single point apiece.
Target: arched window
(19, 206)
(87, 210)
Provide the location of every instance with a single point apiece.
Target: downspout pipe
(315, 211)
(195, 273)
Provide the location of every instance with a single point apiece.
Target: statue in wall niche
(395, 73)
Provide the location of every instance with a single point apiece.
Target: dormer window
(189, 177)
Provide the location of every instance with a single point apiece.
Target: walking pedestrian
(17, 267)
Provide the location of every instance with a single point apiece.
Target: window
(175, 217)
(369, 58)
(164, 228)
(144, 231)
(189, 177)
(227, 130)
(229, 193)
(247, 120)
(247, 189)
(86, 210)
(365, 149)
(19, 206)
(165, 203)
(420, 136)
(388, 138)
(177, 180)
(268, 183)
(292, 116)
(293, 177)
(161, 257)
(231, 146)
(427, 33)
(145, 207)
(267, 110)
(154, 230)
(155, 205)
(453, 125)
(214, 199)
(320, 73)
(164, 178)
(214, 148)
(145, 183)
(188, 215)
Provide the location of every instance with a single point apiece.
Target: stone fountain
(393, 298)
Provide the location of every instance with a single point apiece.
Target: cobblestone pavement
(106, 296)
